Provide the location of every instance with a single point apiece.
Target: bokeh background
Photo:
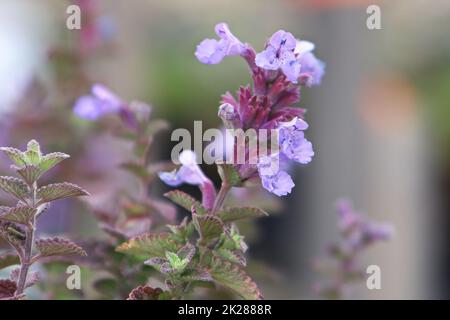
(379, 123)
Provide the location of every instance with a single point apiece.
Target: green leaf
(30, 173)
(8, 259)
(14, 186)
(57, 191)
(15, 155)
(232, 256)
(33, 153)
(52, 159)
(196, 274)
(186, 201)
(58, 247)
(186, 252)
(145, 293)
(209, 227)
(239, 213)
(229, 174)
(20, 214)
(149, 245)
(233, 277)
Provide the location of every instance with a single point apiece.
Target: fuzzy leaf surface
(149, 245)
(58, 247)
(57, 191)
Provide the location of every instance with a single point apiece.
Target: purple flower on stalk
(293, 142)
(189, 172)
(274, 179)
(212, 51)
(101, 102)
(279, 54)
(293, 57)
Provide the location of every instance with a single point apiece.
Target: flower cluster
(278, 72)
(358, 233)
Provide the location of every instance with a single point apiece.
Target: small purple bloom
(293, 143)
(101, 102)
(212, 51)
(312, 67)
(279, 54)
(273, 179)
(189, 172)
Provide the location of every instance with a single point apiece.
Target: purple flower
(293, 57)
(293, 142)
(279, 54)
(101, 102)
(273, 179)
(189, 172)
(311, 67)
(212, 51)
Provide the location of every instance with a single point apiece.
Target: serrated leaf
(233, 277)
(155, 262)
(239, 213)
(8, 259)
(149, 245)
(15, 155)
(14, 186)
(32, 277)
(30, 173)
(57, 191)
(232, 256)
(19, 214)
(33, 153)
(52, 159)
(209, 227)
(186, 252)
(196, 275)
(186, 201)
(145, 293)
(58, 247)
(229, 174)
(7, 288)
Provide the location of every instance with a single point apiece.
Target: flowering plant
(208, 247)
(18, 223)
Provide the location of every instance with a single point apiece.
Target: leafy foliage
(149, 245)
(57, 191)
(233, 277)
(58, 247)
(18, 224)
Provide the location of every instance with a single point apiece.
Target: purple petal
(234, 45)
(280, 184)
(283, 40)
(267, 59)
(313, 67)
(291, 70)
(210, 51)
(86, 107)
(170, 178)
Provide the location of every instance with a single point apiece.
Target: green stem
(29, 239)
(224, 189)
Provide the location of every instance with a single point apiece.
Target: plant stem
(29, 239)
(225, 187)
